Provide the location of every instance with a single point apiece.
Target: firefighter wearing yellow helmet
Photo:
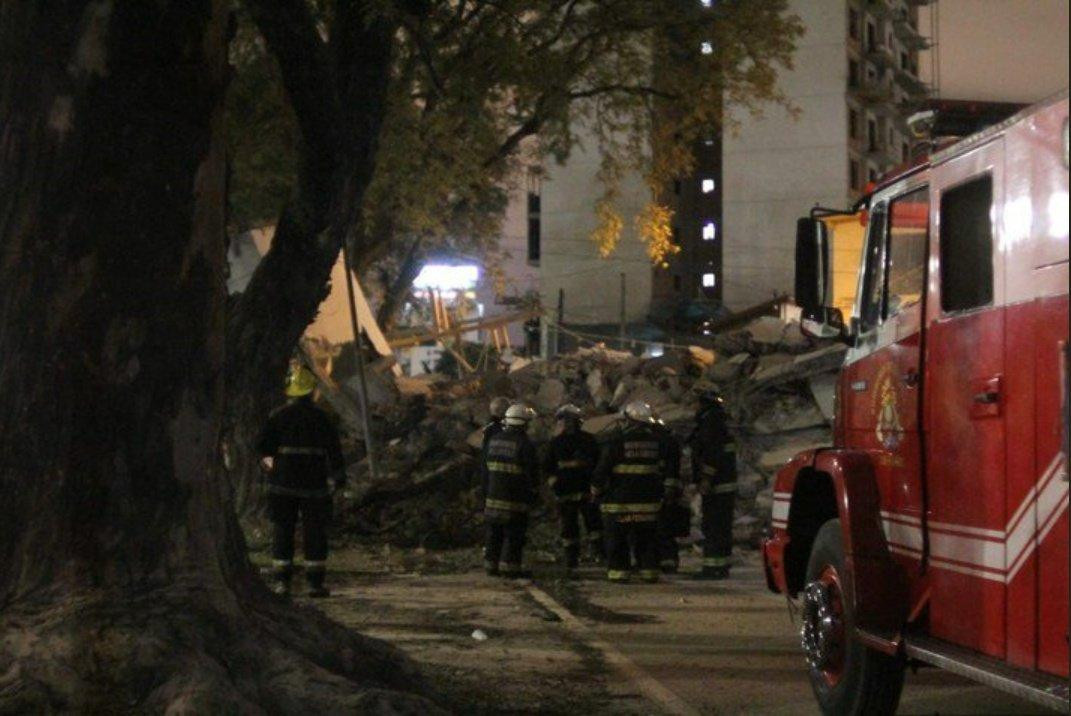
(300, 450)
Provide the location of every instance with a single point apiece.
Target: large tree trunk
(124, 584)
(338, 92)
(397, 289)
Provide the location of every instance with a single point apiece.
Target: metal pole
(621, 332)
(561, 316)
(362, 397)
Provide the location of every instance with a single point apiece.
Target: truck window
(909, 218)
(873, 269)
(967, 246)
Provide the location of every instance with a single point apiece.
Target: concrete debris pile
(777, 385)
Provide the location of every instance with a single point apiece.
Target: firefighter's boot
(315, 575)
(281, 575)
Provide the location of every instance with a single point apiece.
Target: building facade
(854, 82)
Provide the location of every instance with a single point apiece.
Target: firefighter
(301, 453)
(511, 485)
(630, 479)
(674, 518)
(568, 463)
(714, 468)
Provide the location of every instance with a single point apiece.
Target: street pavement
(556, 646)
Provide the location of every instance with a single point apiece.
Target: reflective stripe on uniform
(637, 469)
(650, 575)
(294, 450)
(636, 517)
(617, 575)
(715, 561)
(504, 467)
(567, 464)
(281, 562)
(571, 497)
(570, 542)
(729, 447)
(595, 536)
(493, 504)
(315, 565)
(724, 488)
(668, 562)
(551, 480)
(671, 482)
(620, 508)
(708, 469)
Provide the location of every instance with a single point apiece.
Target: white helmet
(519, 414)
(639, 411)
(569, 411)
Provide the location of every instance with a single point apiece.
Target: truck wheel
(847, 677)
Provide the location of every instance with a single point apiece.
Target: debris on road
(776, 382)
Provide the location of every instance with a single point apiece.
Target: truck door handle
(987, 398)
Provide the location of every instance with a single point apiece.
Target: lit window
(708, 280)
(706, 186)
(708, 231)
(706, 48)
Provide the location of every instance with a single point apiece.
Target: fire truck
(935, 529)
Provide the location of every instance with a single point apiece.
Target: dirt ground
(493, 646)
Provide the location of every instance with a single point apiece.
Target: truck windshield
(873, 269)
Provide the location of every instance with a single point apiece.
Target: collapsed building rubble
(777, 384)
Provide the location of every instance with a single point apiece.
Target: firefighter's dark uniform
(510, 488)
(568, 464)
(714, 468)
(630, 478)
(306, 452)
(673, 518)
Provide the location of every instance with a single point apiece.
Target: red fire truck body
(947, 484)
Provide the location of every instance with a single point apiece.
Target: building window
(677, 186)
(709, 231)
(904, 62)
(675, 236)
(853, 124)
(853, 23)
(708, 280)
(967, 246)
(707, 48)
(534, 228)
(853, 73)
(905, 152)
(677, 282)
(706, 186)
(872, 135)
(872, 41)
(853, 175)
(873, 175)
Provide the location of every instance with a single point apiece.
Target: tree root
(179, 654)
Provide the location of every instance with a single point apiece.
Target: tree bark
(338, 91)
(124, 584)
(397, 290)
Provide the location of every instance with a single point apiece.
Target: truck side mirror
(812, 267)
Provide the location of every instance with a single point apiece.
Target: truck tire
(848, 678)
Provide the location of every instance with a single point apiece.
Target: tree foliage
(478, 87)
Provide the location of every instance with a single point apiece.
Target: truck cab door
(966, 404)
(882, 386)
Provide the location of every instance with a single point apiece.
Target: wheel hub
(822, 630)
